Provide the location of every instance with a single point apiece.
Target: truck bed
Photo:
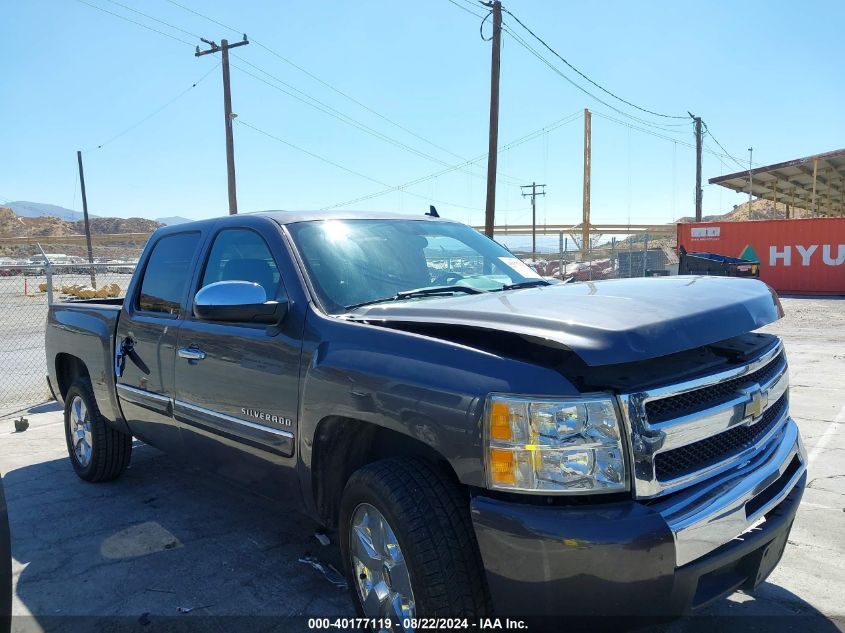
(85, 330)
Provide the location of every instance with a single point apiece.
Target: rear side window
(168, 273)
(242, 255)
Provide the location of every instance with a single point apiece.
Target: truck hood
(604, 322)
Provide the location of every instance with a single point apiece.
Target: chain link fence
(32, 275)
(640, 255)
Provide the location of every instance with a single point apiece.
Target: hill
(14, 225)
(756, 210)
(39, 209)
(173, 219)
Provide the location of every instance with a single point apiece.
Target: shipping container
(796, 256)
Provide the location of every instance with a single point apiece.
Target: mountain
(173, 219)
(15, 225)
(26, 209)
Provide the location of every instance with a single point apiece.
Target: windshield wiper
(419, 292)
(525, 284)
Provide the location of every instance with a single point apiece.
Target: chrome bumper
(708, 515)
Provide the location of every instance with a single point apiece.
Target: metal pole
(815, 175)
(585, 218)
(533, 220)
(560, 258)
(698, 190)
(85, 217)
(48, 270)
(492, 155)
(750, 178)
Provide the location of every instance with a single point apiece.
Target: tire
(97, 452)
(429, 517)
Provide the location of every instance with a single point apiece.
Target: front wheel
(408, 545)
(97, 451)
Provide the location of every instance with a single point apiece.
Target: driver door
(237, 384)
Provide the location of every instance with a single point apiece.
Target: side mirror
(242, 301)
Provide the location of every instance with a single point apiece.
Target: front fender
(429, 389)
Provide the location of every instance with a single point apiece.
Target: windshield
(355, 262)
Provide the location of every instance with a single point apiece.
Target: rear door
(237, 384)
(147, 334)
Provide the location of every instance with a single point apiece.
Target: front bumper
(637, 559)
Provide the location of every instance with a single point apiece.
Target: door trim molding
(146, 399)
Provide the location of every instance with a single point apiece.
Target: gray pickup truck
(481, 440)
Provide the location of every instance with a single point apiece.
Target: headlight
(554, 446)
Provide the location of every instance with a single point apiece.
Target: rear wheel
(97, 451)
(408, 545)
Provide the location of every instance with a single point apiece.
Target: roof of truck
(291, 217)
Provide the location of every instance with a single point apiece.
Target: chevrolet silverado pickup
(482, 441)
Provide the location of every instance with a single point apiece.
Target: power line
(142, 25)
(661, 136)
(337, 114)
(524, 139)
(347, 169)
(463, 8)
(154, 112)
(600, 87)
(326, 84)
(715, 140)
(154, 19)
(557, 70)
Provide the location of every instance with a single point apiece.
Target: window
(356, 261)
(242, 255)
(168, 272)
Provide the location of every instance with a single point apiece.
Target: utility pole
(750, 177)
(698, 143)
(85, 218)
(230, 116)
(492, 152)
(533, 186)
(585, 217)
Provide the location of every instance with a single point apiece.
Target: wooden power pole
(230, 116)
(585, 217)
(533, 193)
(698, 191)
(492, 152)
(85, 220)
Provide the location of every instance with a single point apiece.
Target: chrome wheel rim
(381, 573)
(80, 432)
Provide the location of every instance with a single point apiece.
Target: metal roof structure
(815, 183)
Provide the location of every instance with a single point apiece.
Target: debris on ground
(144, 620)
(328, 570)
(323, 538)
(189, 609)
(21, 424)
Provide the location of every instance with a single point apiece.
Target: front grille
(693, 457)
(692, 401)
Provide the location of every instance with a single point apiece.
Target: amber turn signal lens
(500, 423)
(502, 467)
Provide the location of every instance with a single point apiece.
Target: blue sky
(760, 73)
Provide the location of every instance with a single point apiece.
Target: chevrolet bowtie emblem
(757, 402)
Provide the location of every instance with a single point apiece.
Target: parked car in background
(483, 441)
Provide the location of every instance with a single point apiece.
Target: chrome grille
(692, 457)
(690, 401)
(687, 432)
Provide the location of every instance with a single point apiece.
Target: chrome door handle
(191, 353)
